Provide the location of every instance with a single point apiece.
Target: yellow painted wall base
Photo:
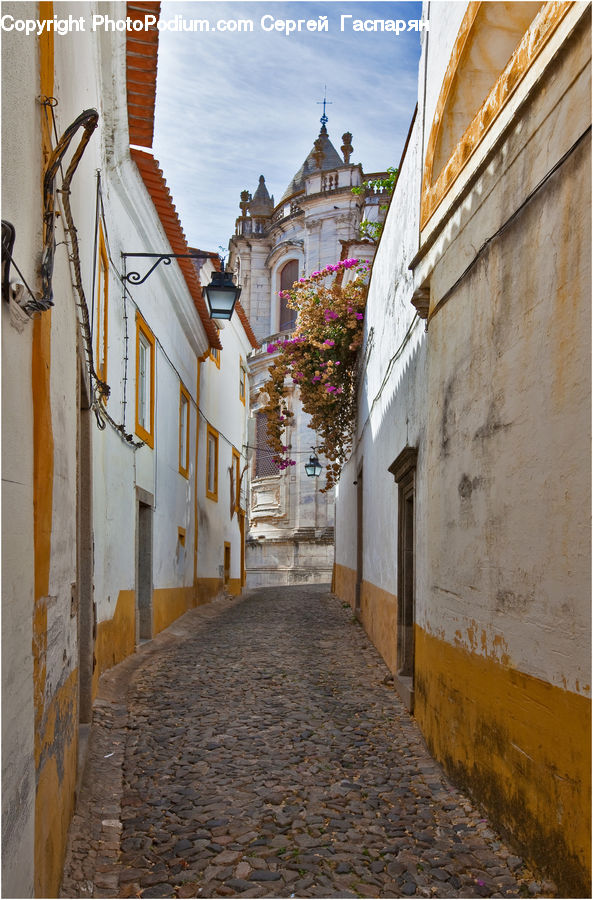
(344, 584)
(170, 603)
(209, 589)
(116, 637)
(56, 753)
(520, 746)
(378, 613)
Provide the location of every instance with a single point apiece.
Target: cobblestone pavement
(265, 753)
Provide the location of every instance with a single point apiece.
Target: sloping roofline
(215, 259)
(141, 71)
(155, 183)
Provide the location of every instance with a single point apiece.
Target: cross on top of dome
(324, 119)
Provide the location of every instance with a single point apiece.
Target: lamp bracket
(135, 278)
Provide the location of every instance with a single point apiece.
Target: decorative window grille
(264, 462)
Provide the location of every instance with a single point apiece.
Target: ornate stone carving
(318, 153)
(245, 198)
(346, 147)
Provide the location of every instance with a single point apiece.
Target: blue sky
(233, 106)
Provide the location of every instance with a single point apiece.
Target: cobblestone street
(258, 748)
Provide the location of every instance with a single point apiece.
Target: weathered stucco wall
(508, 474)
(50, 488)
(391, 416)
(21, 205)
(496, 399)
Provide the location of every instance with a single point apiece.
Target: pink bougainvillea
(321, 358)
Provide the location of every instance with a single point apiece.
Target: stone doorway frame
(403, 469)
(144, 566)
(359, 540)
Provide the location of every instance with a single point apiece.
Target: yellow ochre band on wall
(116, 637)
(378, 612)
(55, 766)
(519, 745)
(56, 762)
(170, 603)
(209, 589)
(344, 584)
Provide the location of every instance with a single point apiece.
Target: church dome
(330, 159)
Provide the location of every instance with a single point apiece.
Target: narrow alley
(257, 748)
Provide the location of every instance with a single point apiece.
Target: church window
(288, 276)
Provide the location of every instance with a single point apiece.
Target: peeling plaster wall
(42, 396)
(496, 397)
(21, 205)
(509, 417)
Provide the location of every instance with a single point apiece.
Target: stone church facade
(290, 537)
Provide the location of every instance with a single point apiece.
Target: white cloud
(233, 106)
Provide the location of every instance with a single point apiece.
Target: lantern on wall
(313, 468)
(221, 295)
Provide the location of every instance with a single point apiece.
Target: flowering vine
(321, 358)
(368, 230)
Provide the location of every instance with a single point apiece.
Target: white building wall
(222, 408)
(391, 414)
(495, 400)
(21, 205)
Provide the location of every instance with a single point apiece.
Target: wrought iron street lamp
(221, 293)
(313, 468)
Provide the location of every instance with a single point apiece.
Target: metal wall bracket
(8, 236)
(136, 278)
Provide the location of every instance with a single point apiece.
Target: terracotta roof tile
(215, 259)
(156, 186)
(246, 325)
(141, 75)
(141, 69)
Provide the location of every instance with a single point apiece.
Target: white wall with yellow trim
(42, 388)
(21, 205)
(223, 411)
(495, 397)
